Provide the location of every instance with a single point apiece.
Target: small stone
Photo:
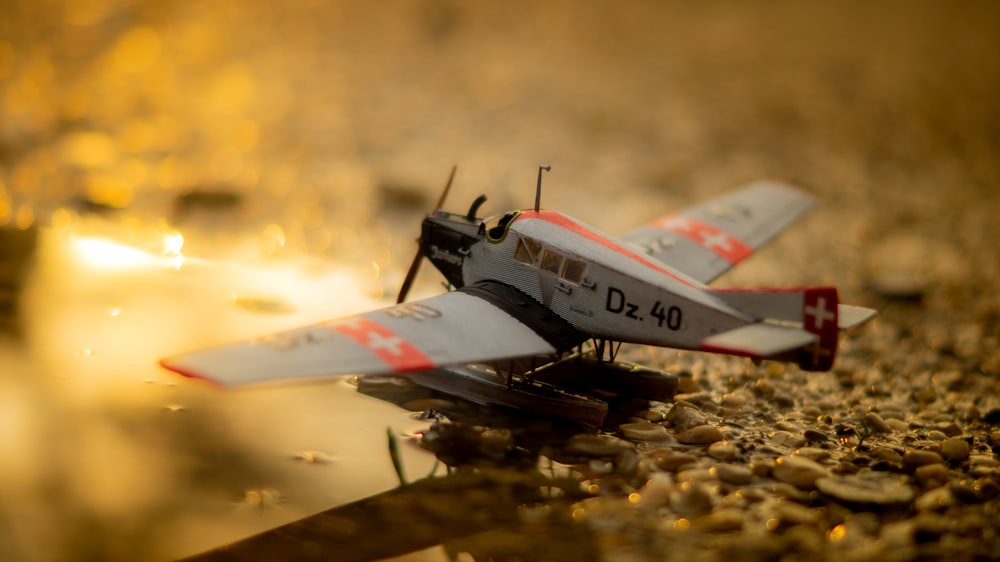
(886, 454)
(796, 514)
(876, 422)
(735, 401)
(935, 435)
(703, 475)
(915, 458)
(691, 499)
(733, 474)
(721, 520)
(935, 499)
(867, 488)
(686, 384)
(643, 431)
(671, 462)
(929, 526)
(684, 416)
(762, 468)
(955, 449)
(897, 425)
(932, 475)
(700, 435)
(596, 445)
(813, 453)
(798, 471)
(722, 450)
(787, 439)
(949, 428)
(814, 436)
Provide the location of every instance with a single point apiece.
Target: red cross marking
(724, 245)
(389, 346)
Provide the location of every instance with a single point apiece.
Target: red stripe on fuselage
(390, 347)
(563, 221)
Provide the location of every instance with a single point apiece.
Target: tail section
(799, 325)
(819, 317)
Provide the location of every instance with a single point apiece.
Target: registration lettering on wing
(389, 346)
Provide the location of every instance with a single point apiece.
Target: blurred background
(177, 174)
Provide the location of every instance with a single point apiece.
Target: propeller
(411, 274)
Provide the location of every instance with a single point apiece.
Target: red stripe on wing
(389, 346)
(722, 244)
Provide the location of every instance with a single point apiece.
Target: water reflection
(107, 456)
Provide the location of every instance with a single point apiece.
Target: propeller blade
(411, 274)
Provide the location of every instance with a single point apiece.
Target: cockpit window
(527, 250)
(573, 270)
(551, 261)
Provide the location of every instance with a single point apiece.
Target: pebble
(684, 416)
(813, 453)
(700, 435)
(643, 431)
(703, 475)
(671, 461)
(721, 520)
(722, 450)
(876, 422)
(596, 445)
(735, 401)
(935, 499)
(797, 514)
(915, 458)
(787, 439)
(955, 449)
(733, 474)
(935, 435)
(814, 436)
(897, 425)
(867, 488)
(932, 475)
(798, 471)
(886, 454)
(691, 499)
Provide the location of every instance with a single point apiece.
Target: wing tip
(169, 365)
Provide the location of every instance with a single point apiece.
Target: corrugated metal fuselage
(594, 282)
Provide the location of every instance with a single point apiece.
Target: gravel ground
(325, 129)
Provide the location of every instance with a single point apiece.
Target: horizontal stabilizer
(849, 316)
(759, 340)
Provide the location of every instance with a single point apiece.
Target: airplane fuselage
(598, 284)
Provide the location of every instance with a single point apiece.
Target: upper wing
(705, 241)
(452, 328)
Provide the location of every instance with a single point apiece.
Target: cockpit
(495, 228)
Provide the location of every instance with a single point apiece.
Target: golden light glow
(106, 254)
(837, 533)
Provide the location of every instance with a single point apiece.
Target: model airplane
(532, 285)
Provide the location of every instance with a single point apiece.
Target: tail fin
(819, 317)
(815, 310)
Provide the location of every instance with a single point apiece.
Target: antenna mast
(538, 188)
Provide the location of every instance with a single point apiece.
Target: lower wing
(473, 325)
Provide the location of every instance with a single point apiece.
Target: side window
(527, 250)
(573, 270)
(551, 261)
